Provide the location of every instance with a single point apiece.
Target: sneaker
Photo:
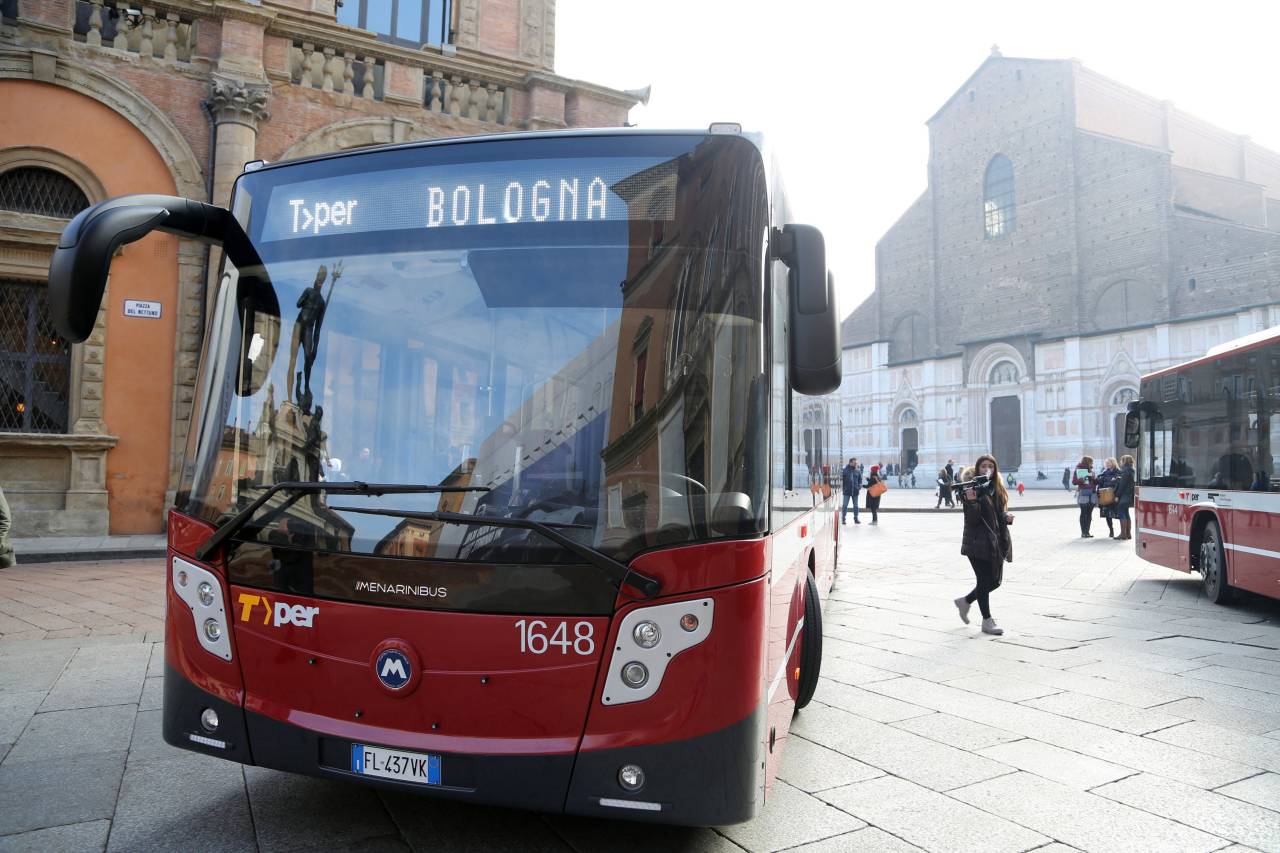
(963, 606)
(989, 626)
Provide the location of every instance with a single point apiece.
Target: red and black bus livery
(510, 473)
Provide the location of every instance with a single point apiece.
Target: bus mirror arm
(80, 264)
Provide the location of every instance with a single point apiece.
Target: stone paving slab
(1261, 790)
(1056, 764)
(931, 820)
(90, 835)
(869, 840)
(1212, 812)
(67, 734)
(1083, 820)
(812, 767)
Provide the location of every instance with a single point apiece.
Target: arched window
(1004, 373)
(32, 189)
(35, 361)
(908, 417)
(998, 206)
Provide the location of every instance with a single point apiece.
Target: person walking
(1108, 479)
(1066, 479)
(851, 480)
(986, 540)
(1124, 495)
(7, 557)
(873, 493)
(1086, 493)
(946, 476)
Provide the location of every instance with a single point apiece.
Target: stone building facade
(1074, 234)
(102, 98)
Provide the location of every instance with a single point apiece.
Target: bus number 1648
(535, 640)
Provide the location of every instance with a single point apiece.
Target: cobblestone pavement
(1120, 712)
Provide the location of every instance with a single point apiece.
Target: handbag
(878, 489)
(1106, 496)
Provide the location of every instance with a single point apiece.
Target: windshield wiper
(240, 519)
(619, 572)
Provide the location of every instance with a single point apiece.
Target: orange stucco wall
(138, 381)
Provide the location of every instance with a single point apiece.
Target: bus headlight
(635, 674)
(646, 634)
(201, 591)
(658, 635)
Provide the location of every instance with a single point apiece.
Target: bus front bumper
(711, 780)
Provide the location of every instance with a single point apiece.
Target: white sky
(844, 88)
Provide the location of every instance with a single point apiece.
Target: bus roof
(755, 138)
(1247, 342)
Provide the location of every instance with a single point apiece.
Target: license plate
(397, 764)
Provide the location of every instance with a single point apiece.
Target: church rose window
(31, 189)
(998, 207)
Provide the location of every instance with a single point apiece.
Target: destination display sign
(521, 192)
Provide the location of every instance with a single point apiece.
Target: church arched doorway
(1006, 432)
(908, 455)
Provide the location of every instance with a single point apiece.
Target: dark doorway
(1006, 432)
(1121, 450)
(910, 444)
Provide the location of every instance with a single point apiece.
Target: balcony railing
(332, 69)
(152, 32)
(469, 98)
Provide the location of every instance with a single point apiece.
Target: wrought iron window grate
(35, 362)
(31, 189)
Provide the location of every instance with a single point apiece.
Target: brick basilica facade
(103, 98)
(1074, 235)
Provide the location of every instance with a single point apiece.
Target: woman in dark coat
(1086, 494)
(1109, 479)
(1124, 496)
(873, 502)
(986, 540)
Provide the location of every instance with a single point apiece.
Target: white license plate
(395, 764)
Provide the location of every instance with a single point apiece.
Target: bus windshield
(571, 327)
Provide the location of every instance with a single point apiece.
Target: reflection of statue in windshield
(312, 305)
(313, 448)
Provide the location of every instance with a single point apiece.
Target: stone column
(238, 108)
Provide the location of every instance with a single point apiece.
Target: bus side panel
(1255, 561)
(1162, 529)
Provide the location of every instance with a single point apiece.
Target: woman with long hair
(1109, 479)
(986, 541)
(1124, 496)
(1086, 493)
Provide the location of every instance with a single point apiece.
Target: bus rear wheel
(810, 643)
(1213, 565)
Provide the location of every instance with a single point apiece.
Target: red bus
(510, 469)
(1207, 435)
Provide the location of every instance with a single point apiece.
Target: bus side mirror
(815, 320)
(1133, 426)
(80, 263)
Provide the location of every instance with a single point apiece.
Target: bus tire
(810, 643)
(1213, 565)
